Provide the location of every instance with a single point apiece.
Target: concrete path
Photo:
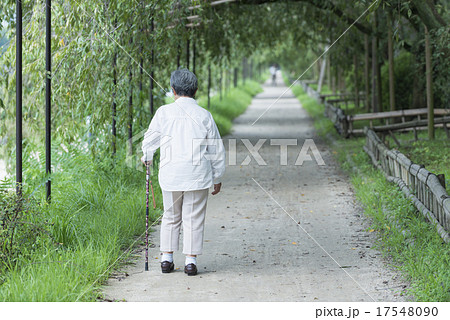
(275, 232)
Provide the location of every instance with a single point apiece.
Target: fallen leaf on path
(371, 230)
(294, 242)
(353, 248)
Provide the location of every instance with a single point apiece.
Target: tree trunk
(375, 91)
(235, 80)
(194, 56)
(328, 71)
(209, 85)
(220, 84)
(188, 49)
(356, 70)
(244, 69)
(178, 57)
(391, 64)
(322, 72)
(429, 76)
(367, 72)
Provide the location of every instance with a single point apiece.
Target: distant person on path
(192, 160)
(273, 72)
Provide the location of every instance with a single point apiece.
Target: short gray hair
(184, 82)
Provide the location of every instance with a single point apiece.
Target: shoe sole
(168, 271)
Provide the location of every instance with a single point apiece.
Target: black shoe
(167, 267)
(190, 269)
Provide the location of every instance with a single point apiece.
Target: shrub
(404, 68)
(22, 227)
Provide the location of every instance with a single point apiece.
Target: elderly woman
(192, 160)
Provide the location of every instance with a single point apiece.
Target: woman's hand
(216, 189)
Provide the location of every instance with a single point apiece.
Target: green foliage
(97, 212)
(433, 154)
(322, 124)
(405, 236)
(231, 105)
(22, 228)
(404, 69)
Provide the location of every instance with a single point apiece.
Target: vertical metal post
(114, 104)
(130, 107)
(152, 73)
(429, 85)
(141, 75)
(48, 91)
(19, 97)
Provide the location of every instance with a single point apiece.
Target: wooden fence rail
(425, 189)
(344, 124)
(421, 186)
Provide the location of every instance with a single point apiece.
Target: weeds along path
(255, 250)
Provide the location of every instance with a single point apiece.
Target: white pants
(189, 208)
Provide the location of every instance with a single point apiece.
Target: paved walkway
(255, 250)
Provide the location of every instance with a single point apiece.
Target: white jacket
(192, 155)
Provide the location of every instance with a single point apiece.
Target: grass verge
(410, 242)
(231, 105)
(95, 219)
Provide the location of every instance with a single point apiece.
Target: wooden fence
(344, 124)
(424, 188)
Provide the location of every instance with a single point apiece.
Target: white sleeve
(217, 150)
(152, 139)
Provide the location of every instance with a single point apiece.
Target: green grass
(96, 214)
(231, 105)
(322, 124)
(433, 154)
(96, 218)
(405, 237)
(325, 88)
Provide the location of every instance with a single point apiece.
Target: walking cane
(148, 182)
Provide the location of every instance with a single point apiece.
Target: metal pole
(114, 105)
(152, 73)
(48, 91)
(19, 97)
(130, 107)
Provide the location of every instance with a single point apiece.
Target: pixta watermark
(238, 152)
